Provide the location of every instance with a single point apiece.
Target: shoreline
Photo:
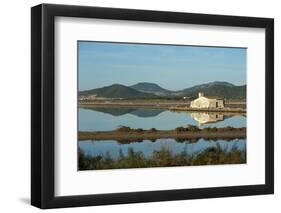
(166, 105)
(146, 106)
(222, 110)
(226, 110)
(182, 133)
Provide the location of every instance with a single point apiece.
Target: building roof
(214, 97)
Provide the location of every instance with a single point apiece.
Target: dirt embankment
(227, 133)
(153, 103)
(233, 110)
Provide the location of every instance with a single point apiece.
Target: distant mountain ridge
(208, 85)
(153, 90)
(216, 88)
(234, 92)
(117, 91)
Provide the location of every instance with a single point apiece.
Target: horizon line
(162, 86)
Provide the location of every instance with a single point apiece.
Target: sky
(172, 67)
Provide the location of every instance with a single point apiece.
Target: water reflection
(112, 154)
(139, 112)
(106, 119)
(205, 117)
(147, 147)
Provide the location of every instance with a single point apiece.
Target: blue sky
(170, 66)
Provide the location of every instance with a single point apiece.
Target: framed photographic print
(139, 106)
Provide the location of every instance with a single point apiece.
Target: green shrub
(162, 158)
(139, 130)
(180, 129)
(193, 128)
(124, 129)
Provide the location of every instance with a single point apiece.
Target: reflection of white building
(204, 117)
(203, 102)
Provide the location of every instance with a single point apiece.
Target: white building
(209, 102)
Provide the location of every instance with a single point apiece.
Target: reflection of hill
(113, 111)
(144, 113)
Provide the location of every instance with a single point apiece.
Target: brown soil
(213, 133)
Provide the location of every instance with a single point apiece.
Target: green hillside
(117, 91)
(152, 90)
(234, 92)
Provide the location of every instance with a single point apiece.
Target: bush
(139, 130)
(164, 157)
(214, 129)
(229, 128)
(180, 129)
(124, 129)
(193, 128)
(208, 129)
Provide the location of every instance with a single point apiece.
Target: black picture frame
(43, 102)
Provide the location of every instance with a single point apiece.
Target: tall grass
(163, 158)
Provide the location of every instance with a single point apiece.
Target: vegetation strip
(190, 132)
(163, 158)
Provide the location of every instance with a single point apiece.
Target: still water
(106, 119)
(147, 147)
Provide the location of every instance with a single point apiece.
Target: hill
(151, 88)
(217, 88)
(234, 92)
(117, 91)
